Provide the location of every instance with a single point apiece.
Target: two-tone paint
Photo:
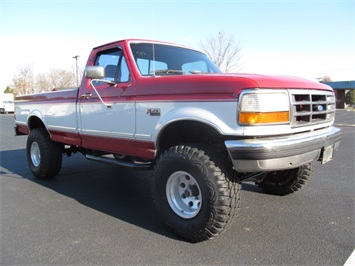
(140, 109)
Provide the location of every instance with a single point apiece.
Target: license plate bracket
(327, 155)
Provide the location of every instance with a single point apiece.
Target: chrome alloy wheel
(184, 194)
(35, 154)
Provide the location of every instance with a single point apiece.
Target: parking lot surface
(95, 214)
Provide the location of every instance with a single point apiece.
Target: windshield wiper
(196, 72)
(167, 72)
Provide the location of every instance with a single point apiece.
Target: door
(107, 114)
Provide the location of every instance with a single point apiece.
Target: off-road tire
(44, 156)
(287, 181)
(212, 181)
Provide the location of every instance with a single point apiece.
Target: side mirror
(95, 72)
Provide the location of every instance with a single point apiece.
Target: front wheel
(286, 181)
(44, 156)
(195, 192)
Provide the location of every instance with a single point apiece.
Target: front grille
(311, 107)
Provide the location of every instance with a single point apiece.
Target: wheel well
(183, 132)
(35, 122)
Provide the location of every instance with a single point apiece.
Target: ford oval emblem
(320, 108)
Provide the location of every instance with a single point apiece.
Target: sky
(305, 38)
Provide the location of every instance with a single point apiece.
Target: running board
(142, 166)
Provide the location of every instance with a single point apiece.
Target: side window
(124, 72)
(115, 65)
(109, 59)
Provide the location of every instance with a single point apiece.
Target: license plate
(327, 154)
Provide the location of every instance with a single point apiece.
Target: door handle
(86, 96)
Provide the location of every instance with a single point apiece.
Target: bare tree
(23, 81)
(223, 50)
(61, 78)
(326, 79)
(42, 83)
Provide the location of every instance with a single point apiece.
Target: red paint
(65, 137)
(49, 97)
(22, 129)
(143, 149)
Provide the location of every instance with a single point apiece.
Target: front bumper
(285, 152)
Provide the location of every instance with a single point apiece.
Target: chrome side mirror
(94, 72)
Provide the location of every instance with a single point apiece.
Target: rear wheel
(44, 156)
(195, 192)
(286, 181)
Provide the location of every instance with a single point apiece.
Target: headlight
(263, 108)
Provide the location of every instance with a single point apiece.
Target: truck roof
(146, 41)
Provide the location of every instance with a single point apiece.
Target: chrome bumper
(286, 152)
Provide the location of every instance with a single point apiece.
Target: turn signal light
(264, 118)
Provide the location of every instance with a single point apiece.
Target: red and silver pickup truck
(155, 105)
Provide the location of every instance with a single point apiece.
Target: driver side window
(124, 75)
(114, 62)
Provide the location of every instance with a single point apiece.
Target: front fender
(220, 116)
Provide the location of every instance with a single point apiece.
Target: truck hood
(266, 81)
(229, 85)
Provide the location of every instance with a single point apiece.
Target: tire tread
(51, 154)
(225, 191)
(298, 178)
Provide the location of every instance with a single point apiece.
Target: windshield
(157, 59)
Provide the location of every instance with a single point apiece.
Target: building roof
(341, 85)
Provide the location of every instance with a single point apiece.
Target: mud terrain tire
(287, 181)
(195, 192)
(44, 156)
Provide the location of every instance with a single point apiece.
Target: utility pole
(76, 68)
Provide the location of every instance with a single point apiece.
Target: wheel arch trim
(190, 113)
(36, 115)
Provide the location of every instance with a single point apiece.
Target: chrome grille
(311, 107)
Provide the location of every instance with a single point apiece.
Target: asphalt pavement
(96, 214)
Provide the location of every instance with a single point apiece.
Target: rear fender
(35, 120)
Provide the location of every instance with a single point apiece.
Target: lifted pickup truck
(154, 105)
